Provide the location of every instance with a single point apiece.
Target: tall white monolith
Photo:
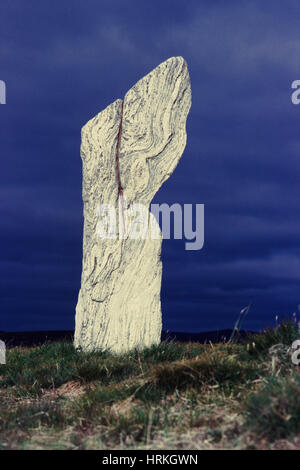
(128, 150)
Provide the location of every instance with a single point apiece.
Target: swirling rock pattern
(128, 151)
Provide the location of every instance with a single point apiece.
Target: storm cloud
(64, 62)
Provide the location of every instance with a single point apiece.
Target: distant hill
(202, 337)
(34, 338)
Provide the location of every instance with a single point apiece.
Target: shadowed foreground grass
(171, 396)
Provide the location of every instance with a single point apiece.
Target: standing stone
(128, 151)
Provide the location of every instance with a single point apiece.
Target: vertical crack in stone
(120, 188)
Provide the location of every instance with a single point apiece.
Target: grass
(242, 395)
(274, 412)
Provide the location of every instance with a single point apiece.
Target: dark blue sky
(64, 61)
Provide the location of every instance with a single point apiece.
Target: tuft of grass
(274, 411)
(213, 368)
(169, 352)
(285, 333)
(239, 323)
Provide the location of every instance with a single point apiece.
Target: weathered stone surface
(128, 151)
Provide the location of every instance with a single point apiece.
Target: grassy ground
(172, 396)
